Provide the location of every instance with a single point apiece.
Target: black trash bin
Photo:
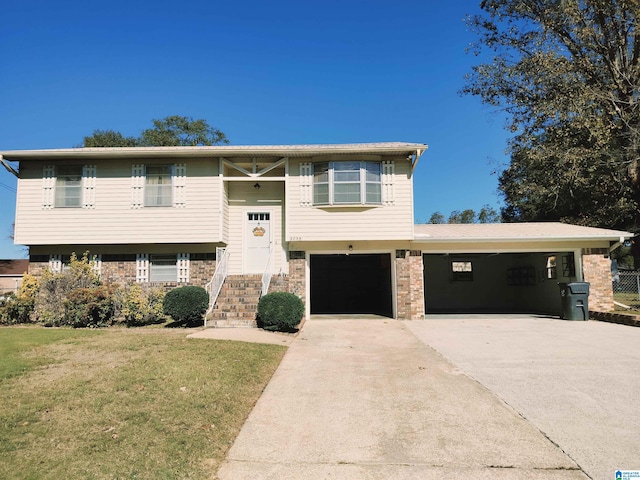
(575, 300)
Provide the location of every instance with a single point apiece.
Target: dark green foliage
(566, 75)
(109, 138)
(14, 309)
(187, 304)
(280, 311)
(174, 130)
(89, 307)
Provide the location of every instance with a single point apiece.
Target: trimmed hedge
(186, 304)
(280, 311)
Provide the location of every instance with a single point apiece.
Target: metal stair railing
(266, 276)
(215, 285)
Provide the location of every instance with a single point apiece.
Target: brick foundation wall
(279, 283)
(410, 284)
(36, 268)
(118, 271)
(596, 267)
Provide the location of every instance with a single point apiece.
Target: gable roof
(475, 232)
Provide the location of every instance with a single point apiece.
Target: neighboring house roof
(382, 148)
(477, 232)
(13, 268)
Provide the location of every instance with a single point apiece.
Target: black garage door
(351, 284)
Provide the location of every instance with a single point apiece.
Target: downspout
(616, 245)
(9, 168)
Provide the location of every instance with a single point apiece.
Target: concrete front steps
(237, 304)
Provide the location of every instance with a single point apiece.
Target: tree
(109, 138)
(176, 130)
(487, 214)
(169, 131)
(567, 74)
(437, 217)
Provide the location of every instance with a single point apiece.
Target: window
(552, 271)
(462, 271)
(163, 268)
(68, 186)
(158, 186)
(347, 183)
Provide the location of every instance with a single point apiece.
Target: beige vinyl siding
(365, 222)
(112, 219)
(243, 198)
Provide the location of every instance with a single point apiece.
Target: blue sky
(279, 72)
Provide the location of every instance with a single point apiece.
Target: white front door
(257, 242)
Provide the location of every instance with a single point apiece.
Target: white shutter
(48, 186)
(179, 185)
(96, 264)
(306, 184)
(183, 267)
(388, 174)
(55, 263)
(88, 186)
(137, 185)
(142, 267)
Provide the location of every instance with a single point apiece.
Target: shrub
(140, 305)
(280, 311)
(186, 304)
(18, 308)
(54, 288)
(89, 307)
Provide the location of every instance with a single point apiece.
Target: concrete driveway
(369, 399)
(577, 382)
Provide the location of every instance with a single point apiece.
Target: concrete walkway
(362, 399)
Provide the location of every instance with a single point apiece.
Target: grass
(630, 299)
(123, 403)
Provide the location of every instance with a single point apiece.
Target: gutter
(429, 239)
(221, 151)
(9, 168)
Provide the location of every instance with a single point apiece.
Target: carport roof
(514, 232)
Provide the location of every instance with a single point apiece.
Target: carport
(513, 267)
(351, 283)
(520, 282)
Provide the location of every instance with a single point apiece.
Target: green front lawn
(123, 403)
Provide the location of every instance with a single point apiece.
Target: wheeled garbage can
(575, 300)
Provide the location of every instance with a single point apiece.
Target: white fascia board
(428, 239)
(212, 151)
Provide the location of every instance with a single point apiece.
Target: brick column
(410, 284)
(297, 277)
(596, 267)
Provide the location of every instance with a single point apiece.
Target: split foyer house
(333, 224)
